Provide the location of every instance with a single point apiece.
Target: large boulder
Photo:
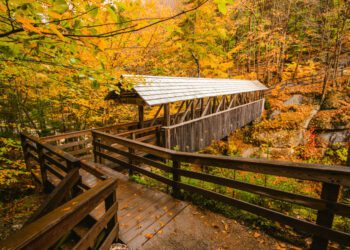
(294, 100)
(335, 137)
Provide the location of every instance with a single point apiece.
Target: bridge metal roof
(156, 90)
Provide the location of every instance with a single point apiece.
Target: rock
(249, 152)
(275, 113)
(294, 100)
(119, 246)
(334, 137)
(281, 153)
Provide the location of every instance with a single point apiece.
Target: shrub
(14, 177)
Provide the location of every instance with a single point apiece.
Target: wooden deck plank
(150, 215)
(157, 227)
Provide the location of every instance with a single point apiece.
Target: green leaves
(113, 13)
(222, 5)
(94, 83)
(93, 10)
(60, 6)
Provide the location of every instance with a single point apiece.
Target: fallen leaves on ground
(149, 236)
(256, 235)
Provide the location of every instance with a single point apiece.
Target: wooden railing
(71, 215)
(78, 143)
(327, 205)
(149, 135)
(55, 228)
(194, 135)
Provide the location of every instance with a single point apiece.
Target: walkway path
(151, 219)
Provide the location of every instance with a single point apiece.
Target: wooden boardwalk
(92, 205)
(142, 212)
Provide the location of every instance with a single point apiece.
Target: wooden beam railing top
(331, 177)
(70, 203)
(51, 229)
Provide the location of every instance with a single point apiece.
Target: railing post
(158, 133)
(72, 164)
(109, 202)
(176, 179)
(166, 138)
(42, 166)
(330, 192)
(131, 151)
(95, 148)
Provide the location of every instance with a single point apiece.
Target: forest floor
(13, 214)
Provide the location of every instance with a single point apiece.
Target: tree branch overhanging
(124, 30)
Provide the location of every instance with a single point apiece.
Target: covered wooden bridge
(205, 109)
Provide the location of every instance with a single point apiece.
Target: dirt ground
(195, 228)
(15, 213)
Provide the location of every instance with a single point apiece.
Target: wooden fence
(66, 218)
(111, 147)
(196, 134)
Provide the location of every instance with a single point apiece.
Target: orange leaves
(257, 235)
(27, 25)
(55, 30)
(54, 15)
(149, 236)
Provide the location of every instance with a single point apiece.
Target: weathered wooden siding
(196, 134)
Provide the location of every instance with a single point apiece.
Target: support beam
(224, 102)
(201, 105)
(183, 117)
(220, 104)
(156, 115)
(213, 109)
(178, 112)
(193, 110)
(207, 107)
(232, 101)
(166, 121)
(141, 116)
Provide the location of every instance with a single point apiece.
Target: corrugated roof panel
(155, 90)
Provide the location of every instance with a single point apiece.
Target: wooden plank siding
(196, 134)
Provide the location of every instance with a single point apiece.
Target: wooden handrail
(47, 227)
(56, 197)
(327, 205)
(138, 131)
(47, 230)
(52, 149)
(316, 172)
